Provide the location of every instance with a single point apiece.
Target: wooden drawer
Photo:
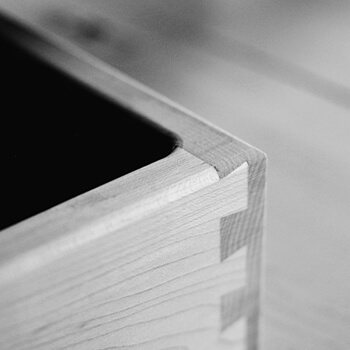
(161, 250)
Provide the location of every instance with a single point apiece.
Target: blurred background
(276, 74)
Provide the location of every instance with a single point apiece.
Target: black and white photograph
(175, 175)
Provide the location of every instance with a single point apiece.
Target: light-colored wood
(111, 207)
(297, 119)
(157, 277)
(247, 85)
(108, 269)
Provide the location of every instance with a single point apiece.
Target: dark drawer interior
(59, 138)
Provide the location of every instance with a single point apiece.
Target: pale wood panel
(306, 304)
(217, 148)
(232, 337)
(156, 283)
(307, 285)
(46, 237)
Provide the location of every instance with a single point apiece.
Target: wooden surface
(279, 79)
(65, 269)
(122, 272)
(284, 86)
(37, 241)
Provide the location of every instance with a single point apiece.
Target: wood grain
(279, 78)
(41, 239)
(303, 129)
(152, 284)
(80, 275)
